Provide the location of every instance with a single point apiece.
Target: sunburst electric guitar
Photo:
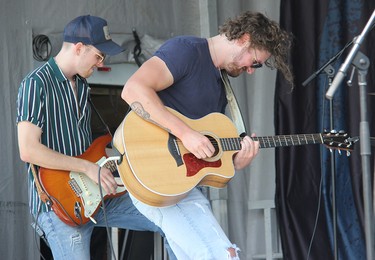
(160, 171)
(75, 197)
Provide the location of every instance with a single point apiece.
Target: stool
(159, 250)
(267, 206)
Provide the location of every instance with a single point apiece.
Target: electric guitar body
(75, 197)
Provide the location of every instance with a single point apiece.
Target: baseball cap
(91, 30)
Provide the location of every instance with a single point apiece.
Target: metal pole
(362, 64)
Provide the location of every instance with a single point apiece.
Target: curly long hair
(265, 34)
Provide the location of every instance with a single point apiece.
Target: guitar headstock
(339, 140)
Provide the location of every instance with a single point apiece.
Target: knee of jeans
(75, 239)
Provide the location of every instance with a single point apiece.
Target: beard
(234, 71)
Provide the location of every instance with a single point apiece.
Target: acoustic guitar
(75, 197)
(160, 171)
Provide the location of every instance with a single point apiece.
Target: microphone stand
(332, 60)
(344, 67)
(330, 71)
(361, 62)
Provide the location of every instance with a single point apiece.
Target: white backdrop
(21, 19)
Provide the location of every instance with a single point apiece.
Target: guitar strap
(99, 116)
(42, 194)
(233, 105)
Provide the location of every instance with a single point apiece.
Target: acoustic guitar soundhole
(215, 144)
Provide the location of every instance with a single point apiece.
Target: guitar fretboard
(234, 144)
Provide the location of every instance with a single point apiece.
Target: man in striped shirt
(53, 123)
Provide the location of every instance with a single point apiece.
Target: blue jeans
(190, 228)
(67, 242)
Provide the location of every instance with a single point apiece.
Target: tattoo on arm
(139, 110)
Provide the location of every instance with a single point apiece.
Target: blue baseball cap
(91, 30)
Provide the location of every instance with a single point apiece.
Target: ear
(78, 47)
(245, 39)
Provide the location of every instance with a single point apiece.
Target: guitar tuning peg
(348, 153)
(342, 132)
(333, 131)
(339, 152)
(330, 150)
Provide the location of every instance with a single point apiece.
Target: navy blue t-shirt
(197, 89)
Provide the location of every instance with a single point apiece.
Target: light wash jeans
(67, 242)
(190, 228)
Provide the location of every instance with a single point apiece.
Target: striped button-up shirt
(46, 99)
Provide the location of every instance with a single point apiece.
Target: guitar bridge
(174, 150)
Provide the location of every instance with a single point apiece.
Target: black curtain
(304, 175)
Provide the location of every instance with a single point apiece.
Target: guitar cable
(65, 212)
(38, 231)
(320, 190)
(42, 47)
(316, 218)
(105, 214)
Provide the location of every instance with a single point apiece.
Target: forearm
(145, 102)
(140, 92)
(33, 151)
(41, 155)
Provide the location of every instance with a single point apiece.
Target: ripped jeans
(67, 242)
(190, 228)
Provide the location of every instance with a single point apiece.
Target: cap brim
(109, 48)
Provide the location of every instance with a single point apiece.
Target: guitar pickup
(75, 187)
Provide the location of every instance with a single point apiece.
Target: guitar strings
(212, 140)
(227, 144)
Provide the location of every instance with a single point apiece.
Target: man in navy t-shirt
(185, 74)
